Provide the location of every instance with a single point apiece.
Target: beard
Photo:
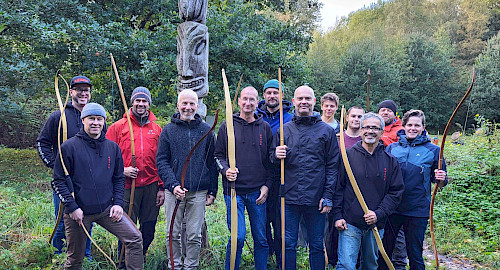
(276, 104)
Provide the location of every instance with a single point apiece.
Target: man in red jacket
(387, 110)
(149, 192)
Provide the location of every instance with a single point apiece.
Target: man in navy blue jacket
(252, 176)
(311, 157)
(419, 160)
(93, 189)
(380, 181)
(47, 145)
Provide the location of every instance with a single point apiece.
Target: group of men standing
(93, 178)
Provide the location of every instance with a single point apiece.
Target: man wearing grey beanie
(93, 189)
(149, 194)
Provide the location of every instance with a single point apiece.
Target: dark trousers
(414, 231)
(144, 210)
(331, 241)
(124, 229)
(274, 218)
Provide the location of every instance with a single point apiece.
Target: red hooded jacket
(390, 132)
(146, 142)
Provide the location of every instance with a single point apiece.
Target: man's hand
(116, 213)
(180, 193)
(324, 209)
(370, 218)
(264, 190)
(77, 216)
(231, 175)
(281, 152)
(210, 200)
(160, 198)
(130, 172)
(440, 176)
(341, 225)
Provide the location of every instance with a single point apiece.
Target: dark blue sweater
(95, 168)
(418, 158)
(380, 181)
(273, 119)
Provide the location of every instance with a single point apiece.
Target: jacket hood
(258, 119)
(151, 116)
(306, 120)
(380, 150)
(419, 140)
(262, 108)
(93, 143)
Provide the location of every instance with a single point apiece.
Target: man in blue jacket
(311, 157)
(47, 145)
(93, 189)
(269, 110)
(380, 181)
(419, 160)
(252, 177)
(200, 186)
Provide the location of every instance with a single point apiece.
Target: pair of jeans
(315, 226)
(257, 217)
(351, 241)
(59, 235)
(124, 229)
(414, 231)
(192, 211)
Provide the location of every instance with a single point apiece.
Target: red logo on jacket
(109, 162)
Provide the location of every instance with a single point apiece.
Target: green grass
(467, 214)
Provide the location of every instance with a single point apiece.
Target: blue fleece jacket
(273, 119)
(417, 158)
(176, 140)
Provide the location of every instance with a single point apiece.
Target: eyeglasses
(366, 128)
(82, 90)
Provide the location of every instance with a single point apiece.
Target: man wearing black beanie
(387, 110)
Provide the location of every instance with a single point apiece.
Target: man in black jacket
(380, 181)
(311, 158)
(200, 187)
(253, 137)
(93, 189)
(47, 145)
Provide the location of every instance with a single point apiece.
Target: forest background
(420, 54)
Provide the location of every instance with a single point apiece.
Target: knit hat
(273, 84)
(93, 109)
(78, 80)
(141, 92)
(389, 104)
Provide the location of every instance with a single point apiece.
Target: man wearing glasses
(380, 181)
(47, 145)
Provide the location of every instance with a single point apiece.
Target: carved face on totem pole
(192, 57)
(193, 10)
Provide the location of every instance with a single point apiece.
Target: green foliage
(467, 210)
(420, 54)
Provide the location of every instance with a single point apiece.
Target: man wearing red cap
(47, 145)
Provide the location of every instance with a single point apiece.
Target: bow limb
(237, 91)
(359, 196)
(63, 124)
(183, 178)
(440, 166)
(282, 175)
(132, 143)
(231, 153)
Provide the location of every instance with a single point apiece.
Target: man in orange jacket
(149, 192)
(387, 110)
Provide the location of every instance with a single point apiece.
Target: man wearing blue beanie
(93, 189)
(269, 110)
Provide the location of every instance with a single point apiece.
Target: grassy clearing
(467, 214)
